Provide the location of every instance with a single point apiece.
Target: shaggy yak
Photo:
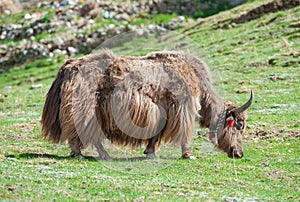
(135, 101)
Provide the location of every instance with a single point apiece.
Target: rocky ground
(71, 29)
(79, 28)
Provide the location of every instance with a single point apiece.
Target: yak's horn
(240, 109)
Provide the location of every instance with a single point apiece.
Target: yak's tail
(51, 128)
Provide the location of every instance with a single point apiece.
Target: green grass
(158, 19)
(256, 55)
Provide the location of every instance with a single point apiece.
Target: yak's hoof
(192, 157)
(105, 157)
(78, 156)
(150, 156)
(188, 156)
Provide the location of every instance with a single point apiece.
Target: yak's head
(229, 138)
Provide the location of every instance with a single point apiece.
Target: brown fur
(132, 101)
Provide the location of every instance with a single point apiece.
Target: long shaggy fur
(129, 99)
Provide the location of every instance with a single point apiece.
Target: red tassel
(230, 122)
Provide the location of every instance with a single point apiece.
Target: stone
(89, 5)
(27, 16)
(140, 32)
(111, 26)
(181, 19)
(71, 51)
(96, 13)
(7, 12)
(36, 86)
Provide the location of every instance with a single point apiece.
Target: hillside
(252, 46)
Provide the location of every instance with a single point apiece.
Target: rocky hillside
(78, 28)
(72, 27)
(59, 29)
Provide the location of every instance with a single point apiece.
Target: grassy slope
(31, 168)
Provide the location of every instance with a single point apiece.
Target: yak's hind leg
(75, 145)
(150, 149)
(186, 151)
(102, 152)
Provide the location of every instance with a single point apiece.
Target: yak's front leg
(186, 151)
(75, 145)
(150, 149)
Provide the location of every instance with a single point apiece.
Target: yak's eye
(239, 125)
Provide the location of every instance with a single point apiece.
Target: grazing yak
(135, 101)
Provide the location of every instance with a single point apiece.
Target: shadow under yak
(88, 158)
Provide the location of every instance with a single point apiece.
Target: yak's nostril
(238, 154)
(233, 153)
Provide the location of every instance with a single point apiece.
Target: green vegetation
(158, 19)
(262, 55)
(202, 13)
(18, 17)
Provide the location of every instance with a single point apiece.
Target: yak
(139, 101)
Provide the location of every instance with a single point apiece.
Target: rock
(2, 97)
(57, 42)
(57, 52)
(72, 2)
(151, 27)
(96, 13)
(7, 87)
(123, 16)
(3, 49)
(3, 35)
(36, 86)
(140, 32)
(111, 26)
(181, 19)
(87, 7)
(7, 12)
(29, 32)
(93, 42)
(106, 14)
(27, 16)
(71, 51)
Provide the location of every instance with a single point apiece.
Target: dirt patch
(255, 64)
(295, 23)
(23, 127)
(271, 7)
(22, 131)
(247, 40)
(248, 15)
(22, 137)
(279, 175)
(274, 134)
